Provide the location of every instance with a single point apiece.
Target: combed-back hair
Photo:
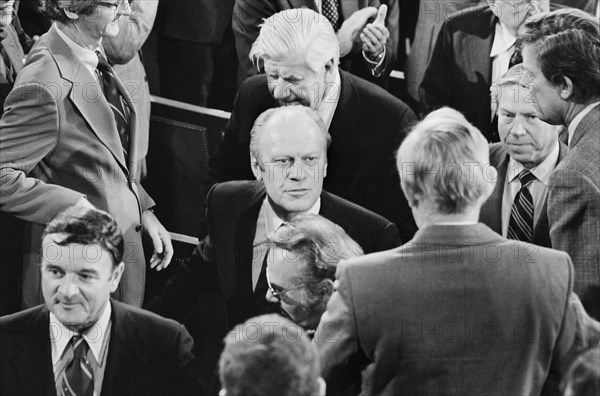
(296, 33)
(567, 42)
(55, 9)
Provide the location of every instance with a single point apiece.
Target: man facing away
(561, 56)
(80, 342)
(442, 313)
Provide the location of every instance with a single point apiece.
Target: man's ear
(329, 67)
(70, 15)
(116, 275)
(565, 88)
(255, 166)
(326, 287)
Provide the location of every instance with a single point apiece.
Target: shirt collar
(541, 172)
(503, 40)
(86, 56)
(94, 336)
(273, 222)
(327, 108)
(575, 123)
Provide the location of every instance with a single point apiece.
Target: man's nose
(283, 90)
(270, 297)
(68, 286)
(518, 128)
(125, 8)
(296, 171)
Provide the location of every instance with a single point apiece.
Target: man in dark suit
(228, 270)
(474, 48)
(441, 313)
(368, 50)
(366, 123)
(529, 146)
(567, 92)
(96, 345)
(63, 143)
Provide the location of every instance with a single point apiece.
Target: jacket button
(138, 228)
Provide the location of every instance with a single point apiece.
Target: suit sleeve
(434, 90)
(336, 337)
(29, 131)
(578, 333)
(574, 217)
(133, 32)
(247, 16)
(186, 381)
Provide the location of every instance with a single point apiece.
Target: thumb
(381, 14)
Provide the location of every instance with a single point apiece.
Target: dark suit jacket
(220, 273)
(442, 313)
(248, 15)
(15, 54)
(147, 355)
(491, 211)
(574, 209)
(460, 69)
(59, 142)
(367, 129)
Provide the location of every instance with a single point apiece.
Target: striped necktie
(78, 378)
(115, 99)
(329, 9)
(517, 57)
(520, 226)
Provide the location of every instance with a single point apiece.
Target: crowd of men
(349, 247)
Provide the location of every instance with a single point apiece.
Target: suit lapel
(126, 356)
(33, 362)
(87, 97)
(15, 54)
(492, 209)
(541, 230)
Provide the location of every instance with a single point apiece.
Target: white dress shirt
(267, 223)
(84, 55)
(538, 188)
(97, 338)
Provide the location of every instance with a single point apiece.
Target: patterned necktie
(78, 378)
(517, 56)
(520, 226)
(114, 98)
(329, 9)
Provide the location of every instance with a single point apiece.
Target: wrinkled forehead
(514, 94)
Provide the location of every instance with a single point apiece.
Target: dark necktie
(330, 10)
(78, 379)
(261, 304)
(516, 57)
(115, 99)
(520, 226)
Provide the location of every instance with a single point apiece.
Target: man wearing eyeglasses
(474, 48)
(69, 136)
(227, 273)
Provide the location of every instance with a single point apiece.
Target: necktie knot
(102, 62)
(80, 347)
(517, 56)
(526, 178)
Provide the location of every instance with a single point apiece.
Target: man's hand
(375, 35)
(161, 240)
(350, 30)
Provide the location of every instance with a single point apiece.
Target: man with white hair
(443, 312)
(300, 54)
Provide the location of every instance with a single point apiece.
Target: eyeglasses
(113, 6)
(279, 293)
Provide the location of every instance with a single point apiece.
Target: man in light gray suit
(441, 313)
(561, 54)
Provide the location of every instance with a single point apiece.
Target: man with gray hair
(227, 273)
(441, 313)
(526, 156)
(300, 54)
